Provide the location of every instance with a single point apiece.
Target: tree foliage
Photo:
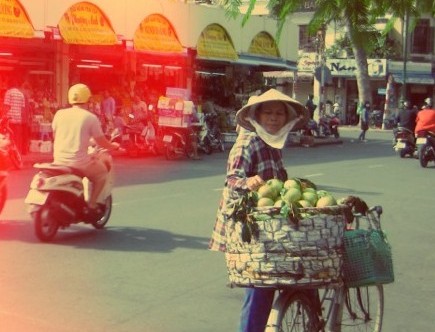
(358, 17)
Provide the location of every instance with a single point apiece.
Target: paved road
(150, 270)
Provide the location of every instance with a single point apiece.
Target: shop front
(343, 88)
(158, 60)
(419, 80)
(90, 52)
(24, 55)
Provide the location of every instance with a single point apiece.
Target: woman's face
(272, 116)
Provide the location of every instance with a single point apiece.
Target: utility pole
(405, 54)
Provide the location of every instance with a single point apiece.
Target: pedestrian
(310, 105)
(14, 107)
(364, 118)
(108, 108)
(256, 157)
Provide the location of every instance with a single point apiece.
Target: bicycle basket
(367, 257)
(306, 252)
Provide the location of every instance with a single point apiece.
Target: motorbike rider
(406, 117)
(73, 129)
(426, 117)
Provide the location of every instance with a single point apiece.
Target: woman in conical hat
(255, 158)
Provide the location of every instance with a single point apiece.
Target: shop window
(307, 42)
(421, 40)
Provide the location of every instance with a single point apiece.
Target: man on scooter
(73, 129)
(426, 117)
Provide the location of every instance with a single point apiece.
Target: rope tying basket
(273, 249)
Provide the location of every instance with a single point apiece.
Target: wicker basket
(306, 253)
(367, 258)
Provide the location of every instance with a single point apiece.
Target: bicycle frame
(334, 308)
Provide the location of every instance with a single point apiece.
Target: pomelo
(304, 203)
(292, 195)
(292, 183)
(265, 201)
(279, 203)
(310, 197)
(267, 191)
(276, 184)
(327, 200)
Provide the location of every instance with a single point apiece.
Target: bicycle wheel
(363, 309)
(298, 315)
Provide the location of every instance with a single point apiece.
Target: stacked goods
(287, 233)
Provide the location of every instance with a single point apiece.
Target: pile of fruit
(295, 191)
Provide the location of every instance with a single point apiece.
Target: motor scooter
(58, 197)
(135, 139)
(328, 125)
(425, 141)
(404, 142)
(8, 144)
(176, 142)
(212, 132)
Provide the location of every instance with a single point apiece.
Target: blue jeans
(256, 308)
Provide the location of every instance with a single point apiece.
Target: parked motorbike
(209, 136)
(176, 143)
(58, 197)
(425, 141)
(376, 118)
(136, 139)
(328, 125)
(404, 142)
(310, 129)
(7, 143)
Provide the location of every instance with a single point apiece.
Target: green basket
(367, 258)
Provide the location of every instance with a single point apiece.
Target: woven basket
(367, 258)
(305, 253)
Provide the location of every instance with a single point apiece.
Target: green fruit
(265, 201)
(279, 203)
(276, 184)
(267, 191)
(304, 203)
(321, 193)
(292, 195)
(310, 197)
(292, 183)
(327, 200)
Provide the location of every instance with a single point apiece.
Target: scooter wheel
(46, 225)
(100, 223)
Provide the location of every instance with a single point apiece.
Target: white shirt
(73, 128)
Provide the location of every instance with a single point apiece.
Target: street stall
(174, 126)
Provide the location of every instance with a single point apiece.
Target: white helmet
(428, 102)
(79, 94)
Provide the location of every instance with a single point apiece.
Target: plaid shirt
(249, 156)
(15, 99)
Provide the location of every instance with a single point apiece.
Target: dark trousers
(21, 136)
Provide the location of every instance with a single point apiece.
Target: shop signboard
(264, 44)
(85, 24)
(14, 21)
(347, 67)
(156, 33)
(215, 42)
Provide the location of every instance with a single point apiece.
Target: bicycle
(335, 308)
